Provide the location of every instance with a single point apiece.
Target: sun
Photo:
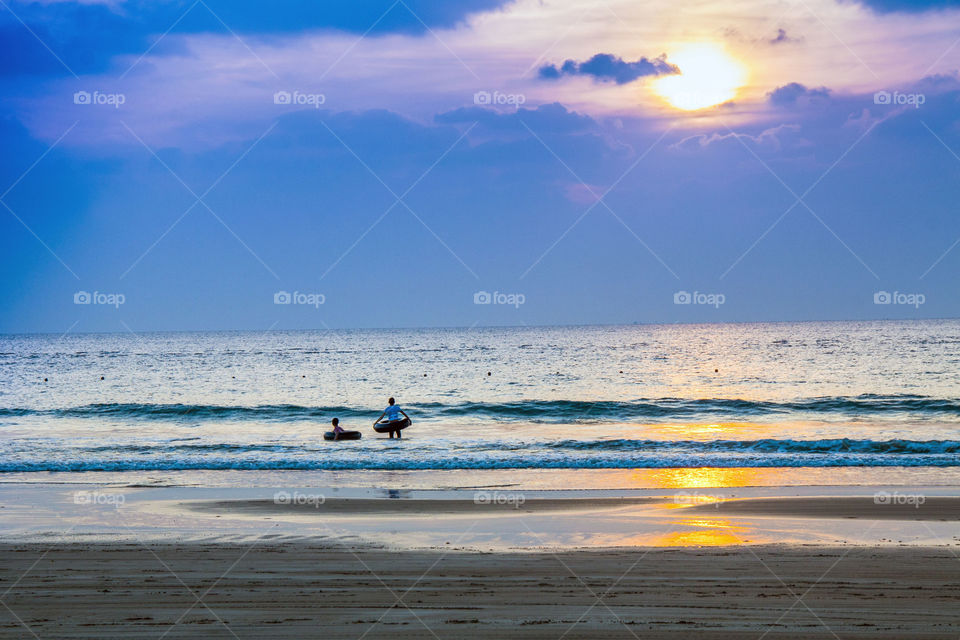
(708, 76)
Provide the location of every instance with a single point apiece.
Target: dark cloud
(357, 16)
(606, 67)
(86, 37)
(790, 94)
(909, 6)
(782, 37)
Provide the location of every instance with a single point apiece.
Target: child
(337, 429)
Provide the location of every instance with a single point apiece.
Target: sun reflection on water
(710, 431)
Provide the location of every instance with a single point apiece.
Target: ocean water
(840, 394)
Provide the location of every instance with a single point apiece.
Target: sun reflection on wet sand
(702, 477)
(694, 531)
(706, 533)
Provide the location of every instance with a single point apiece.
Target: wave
(547, 411)
(439, 455)
(139, 411)
(825, 446)
(649, 461)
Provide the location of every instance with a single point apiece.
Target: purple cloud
(606, 67)
(789, 94)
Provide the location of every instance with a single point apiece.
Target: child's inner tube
(346, 435)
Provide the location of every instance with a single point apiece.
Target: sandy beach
(271, 590)
(191, 563)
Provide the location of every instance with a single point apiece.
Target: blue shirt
(393, 413)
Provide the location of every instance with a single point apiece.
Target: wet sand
(295, 590)
(501, 501)
(906, 507)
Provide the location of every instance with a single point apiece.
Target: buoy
(44, 379)
(101, 377)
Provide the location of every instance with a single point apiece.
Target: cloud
(939, 83)
(772, 137)
(909, 6)
(790, 94)
(782, 37)
(552, 117)
(496, 201)
(810, 131)
(87, 36)
(606, 67)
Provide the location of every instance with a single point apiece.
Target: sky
(220, 164)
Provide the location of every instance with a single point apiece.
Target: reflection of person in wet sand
(392, 414)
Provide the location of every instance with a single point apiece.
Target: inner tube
(396, 425)
(346, 435)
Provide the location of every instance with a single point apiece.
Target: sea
(776, 395)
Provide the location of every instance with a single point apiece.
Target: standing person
(392, 414)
